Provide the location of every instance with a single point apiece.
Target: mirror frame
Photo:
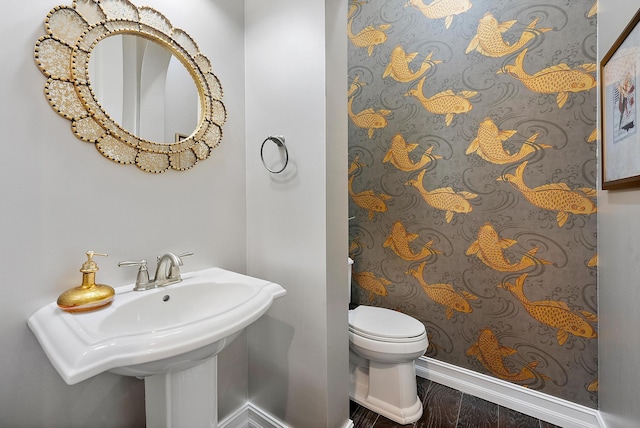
(63, 55)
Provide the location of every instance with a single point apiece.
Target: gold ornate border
(63, 55)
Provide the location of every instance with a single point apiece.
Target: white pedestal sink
(169, 335)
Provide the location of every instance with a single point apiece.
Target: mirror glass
(144, 88)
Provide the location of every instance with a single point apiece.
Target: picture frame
(619, 125)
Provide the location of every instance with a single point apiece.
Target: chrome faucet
(167, 271)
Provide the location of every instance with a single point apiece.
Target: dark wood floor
(444, 407)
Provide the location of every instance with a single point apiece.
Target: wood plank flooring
(444, 407)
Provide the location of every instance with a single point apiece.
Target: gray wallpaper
(472, 142)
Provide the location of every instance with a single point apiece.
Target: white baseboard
(542, 406)
(250, 416)
(238, 419)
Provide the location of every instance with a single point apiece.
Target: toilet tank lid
(384, 323)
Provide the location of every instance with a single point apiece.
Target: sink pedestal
(186, 398)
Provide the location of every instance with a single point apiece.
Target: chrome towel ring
(279, 140)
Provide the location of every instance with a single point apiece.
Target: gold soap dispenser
(88, 296)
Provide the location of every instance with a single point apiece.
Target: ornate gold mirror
(65, 53)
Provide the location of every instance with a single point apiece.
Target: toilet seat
(385, 325)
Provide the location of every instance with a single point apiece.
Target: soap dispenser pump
(88, 296)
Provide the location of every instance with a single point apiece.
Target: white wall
(297, 220)
(60, 198)
(338, 292)
(619, 270)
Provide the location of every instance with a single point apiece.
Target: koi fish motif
(554, 197)
(355, 165)
(445, 199)
(593, 137)
(445, 102)
(593, 261)
(368, 200)
(355, 85)
(353, 7)
(399, 241)
(398, 67)
(557, 79)
(593, 11)
(371, 283)
(369, 36)
(489, 42)
(554, 313)
(438, 9)
(491, 354)
(444, 294)
(354, 246)
(398, 155)
(593, 386)
(489, 248)
(369, 118)
(488, 144)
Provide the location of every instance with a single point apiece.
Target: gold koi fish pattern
(593, 11)
(398, 67)
(354, 86)
(445, 102)
(374, 285)
(438, 9)
(399, 241)
(554, 197)
(444, 294)
(444, 199)
(355, 246)
(489, 248)
(488, 144)
(368, 37)
(398, 155)
(368, 200)
(491, 354)
(489, 42)
(353, 7)
(368, 119)
(558, 79)
(355, 165)
(554, 313)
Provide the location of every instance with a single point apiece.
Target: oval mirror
(144, 88)
(152, 132)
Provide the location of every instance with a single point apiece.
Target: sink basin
(144, 333)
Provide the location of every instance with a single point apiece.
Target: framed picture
(620, 136)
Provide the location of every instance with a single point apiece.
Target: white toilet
(383, 347)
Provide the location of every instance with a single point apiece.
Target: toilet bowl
(383, 347)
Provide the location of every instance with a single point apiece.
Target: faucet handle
(141, 263)
(142, 280)
(180, 256)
